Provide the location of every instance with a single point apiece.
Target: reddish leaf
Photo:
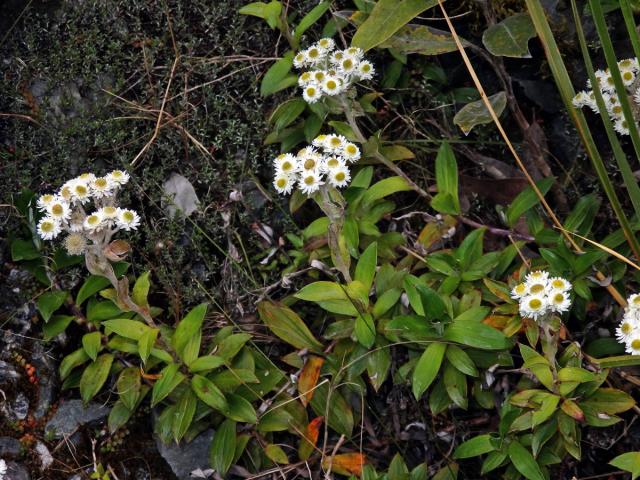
(309, 378)
(345, 463)
(310, 438)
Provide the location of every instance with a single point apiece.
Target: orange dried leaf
(310, 439)
(309, 378)
(345, 463)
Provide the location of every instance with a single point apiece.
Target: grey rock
(182, 196)
(71, 415)
(9, 447)
(46, 380)
(8, 373)
(184, 458)
(17, 409)
(15, 471)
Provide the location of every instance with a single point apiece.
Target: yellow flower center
(332, 85)
(65, 192)
(536, 288)
(617, 109)
(366, 68)
(626, 328)
(627, 76)
(127, 217)
(314, 53)
(347, 64)
(558, 298)
(351, 149)
(81, 190)
(335, 142)
(109, 211)
(101, 183)
(311, 91)
(520, 288)
(319, 76)
(557, 283)
(286, 166)
(117, 174)
(636, 301)
(332, 162)
(305, 76)
(300, 57)
(338, 56)
(57, 209)
(309, 180)
(281, 183)
(309, 164)
(535, 303)
(635, 344)
(93, 220)
(47, 198)
(46, 226)
(340, 176)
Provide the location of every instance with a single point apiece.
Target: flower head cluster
(325, 161)
(330, 71)
(629, 70)
(3, 469)
(66, 211)
(628, 332)
(540, 294)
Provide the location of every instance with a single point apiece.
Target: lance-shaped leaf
(288, 326)
(510, 37)
(476, 113)
(309, 378)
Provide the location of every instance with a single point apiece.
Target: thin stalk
(567, 93)
(612, 63)
(627, 175)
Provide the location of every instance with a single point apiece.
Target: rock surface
(15, 471)
(9, 447)
(71, 415)
(184, 458)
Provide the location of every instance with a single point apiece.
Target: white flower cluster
(65, 211)
(332, 71)
(3, 469)
(628, 332)
(539, 295)
(325, 161)
(629, 69)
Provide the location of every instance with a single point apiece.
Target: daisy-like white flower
(327, 44)
(80, 191)
(332, 85)
(312, 93)
(348, 65)
(318, 76)
(336, 57)
(283, 183)
(350, 152)
(632, 345)
(332, 163)
(310, 182)
(300, 60)
(629, 64)
(44, 201)
(634, 302)
(627, 329)
(65, 191)
(305, 79)
(621, 127)
(628, 77)
(86, 178)
(314, 55)
(339, 177)
(286, 163)
(118, 177)
(59, 210)
(48, 228)
(355, 52)
(3, 469)
(559, 283)
(109, 215)
(366, 70)
(581, 99)
(519, 291)
(75, 244)
(93, 222)
(128, 219)
(101, 187)
(334, 143)
(312, 161)
(559, 301)
(537, 276)
(318, 142)
(533, 306)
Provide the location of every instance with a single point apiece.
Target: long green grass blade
(630, 23)
(563, 82)
(618, 152)
(612, 63)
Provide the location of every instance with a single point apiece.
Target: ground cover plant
(339, 239)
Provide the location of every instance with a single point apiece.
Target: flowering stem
(333, 208)
(353, 123)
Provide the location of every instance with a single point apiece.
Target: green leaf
(575, 374)
(56, 325)
(524, 461)
(91, 342)
(206, 363)
(94, 376)
(231, 345)
(287, 112)
(146, 342)
(477, 335)
(385, 302)
(337, 412)
(240, 410)
(118, 416)
(473, 447)
(434, 307)
(366, 267)
(128, 385)
(98, 311)
(124, 327)
(223, 447)
(476, 113)
(170, 378)
(277, 77)
(269, 12)
(446, 201)
(455, 383)
(609, 401)
(385, 187)
(421, 39)
(94, 283)
(23, 250)
(365, 330)
(185, 410)
(207, 391)
(71, 361)
(427, 368)
(387, 17)
(629, 462)
(526, 200)
(310, 18)
(49, 302)
(276, 454)
(510, 37)
(288, 326)
(188, 329)
(140, 290)
(461, 360)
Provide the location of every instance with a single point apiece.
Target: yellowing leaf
(345, 463)
(309, 378)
